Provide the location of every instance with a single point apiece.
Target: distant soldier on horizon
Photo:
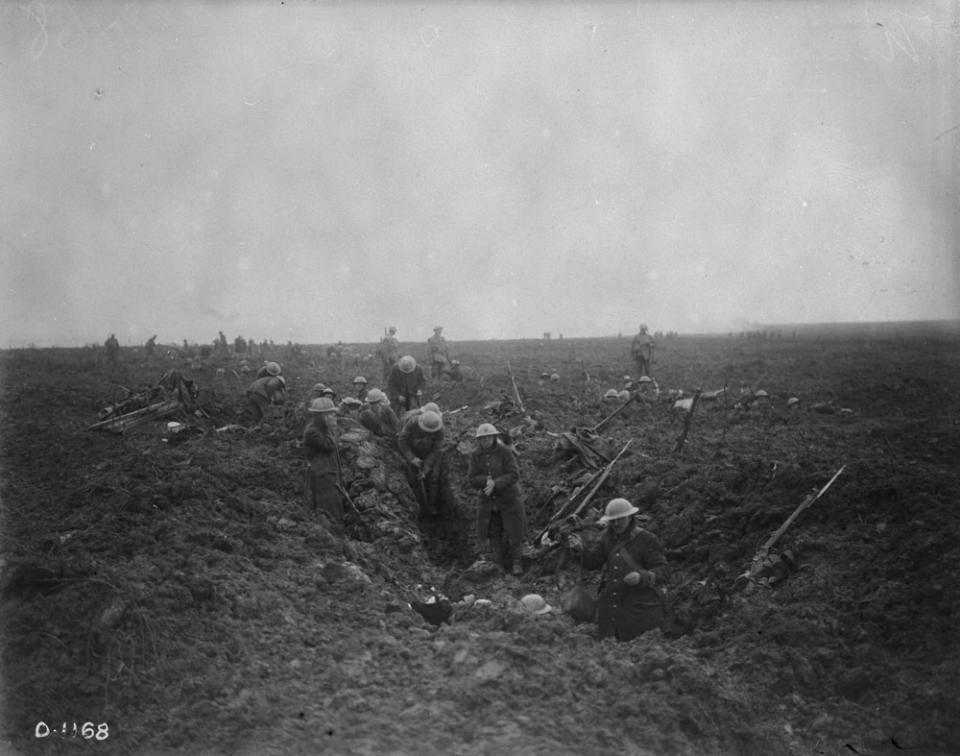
(388, 351)
(641, 350)
(150, 347)
(439, 352)
(113, 349)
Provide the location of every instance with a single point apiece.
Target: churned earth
(173, 591)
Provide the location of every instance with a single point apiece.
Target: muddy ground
(174, 591)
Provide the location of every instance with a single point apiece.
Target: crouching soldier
(501, 521)
(262, 393)
(634, 566)
(323, 487)
(378, 418)
(421, 441)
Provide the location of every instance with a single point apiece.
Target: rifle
(516, 391)
(686, 423)
(600, 482)
(758, 561)
(603, 423)
(596, 481)
(343, 492)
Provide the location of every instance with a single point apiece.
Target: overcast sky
(315, 171)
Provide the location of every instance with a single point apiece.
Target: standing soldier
(642, 351)
(439, 353)
(405, 384)
(501, 520)
(150, 347)
(113, 349)
(389, 351)
(421, 444)
(323, 486)
(634, 564)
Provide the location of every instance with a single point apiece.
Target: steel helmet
(793, 401)
(454, 362)
(430, 422)
(437, 329)
(283, 381)
(407, 364)
(322, 404)
(318, 388)
(761, 394)
(643, 326)
(644, 379)
(611, 394)
(273, 368)
(430, 407)
(535, 604)
(623, 395)
(555, 377)
(375, 395)
(617, 509)
(486, 429)
(360, 379)
(328, 392)
(627, 379)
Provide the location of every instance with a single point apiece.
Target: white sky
(314, 171)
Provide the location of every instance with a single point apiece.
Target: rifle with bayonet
(761, 558)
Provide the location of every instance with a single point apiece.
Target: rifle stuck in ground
(516, 391)
(686, 423)
(761, 559)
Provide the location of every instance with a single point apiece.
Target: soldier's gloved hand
(643, 577)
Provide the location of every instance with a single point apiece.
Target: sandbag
(580, 603)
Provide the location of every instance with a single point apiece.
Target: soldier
(113, 349)
(269, 369)
(405, 384)
(417, 411)
(642, 351)
(262, 393)
(150, 347)
(421, 444)
(634, 564)
(501, 521)
(388, 351)
(439, 353)
(454, 373)
(322, 480)
(379, 418)
(360, 387)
